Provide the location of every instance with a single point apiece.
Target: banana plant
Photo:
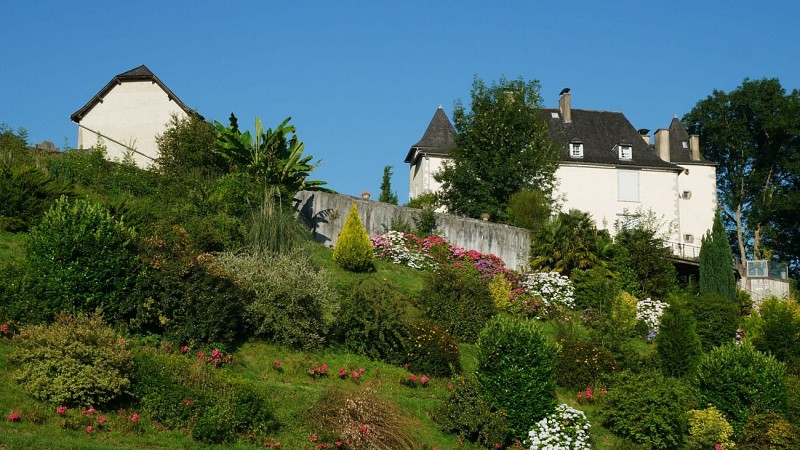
(274, 157)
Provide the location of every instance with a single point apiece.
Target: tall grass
(274, 228)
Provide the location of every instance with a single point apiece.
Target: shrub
(372, 322)
(74, 361)
(554, 291)
(739, 380)
(677, 342)
(458, 299)
(650, 311)
(500, 290)
(708, 427)
(360, 416)
(769, 431)
(623, 315)
(180, 394)
(80, 259)
(780, 330)
(582, 362)
(516, 371)
(648, 408)
(716, 319)
(528, 209)
(291, 297)
(353, 249)
(566, 427)
(432, 350)
(191, 302)
(595, 288)
(27, 192)
(465, 413)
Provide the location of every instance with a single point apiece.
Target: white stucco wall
(132, 113)
(421, 175)
(594, 189)
(697, 212)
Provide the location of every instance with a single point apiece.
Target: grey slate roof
(600, 132)
(677, 152)
(439, 137)
(141, 73)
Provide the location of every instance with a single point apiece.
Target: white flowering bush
(400, 248)
(650, 311)
(551, 288)
(565, 429)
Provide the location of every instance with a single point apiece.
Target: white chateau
(608, 169)
(127, 114)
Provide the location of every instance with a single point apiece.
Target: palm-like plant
(274, 157)
(566, 242)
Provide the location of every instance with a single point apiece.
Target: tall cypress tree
(716, 263)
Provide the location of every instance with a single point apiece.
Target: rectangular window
(576, 150)
(625, 152)
(628, 185)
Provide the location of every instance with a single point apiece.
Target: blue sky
(362, 80)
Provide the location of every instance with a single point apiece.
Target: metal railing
(684, 251)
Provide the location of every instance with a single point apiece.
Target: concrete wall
(327, 213)
(132, 113)
(762, 288)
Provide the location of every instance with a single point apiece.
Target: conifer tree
(716, 263)
(353, 249)
(677, 343)
(387, 196)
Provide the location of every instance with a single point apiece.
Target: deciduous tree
(753, 133)
(503, 148)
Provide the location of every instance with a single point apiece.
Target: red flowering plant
(318, 370)
(217, 358)
(5, 329)
(590, 395)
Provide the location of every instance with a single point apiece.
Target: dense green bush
(178, 393)
(780, 330)
(769, 431)
(740, 380)
(27, 192)
(648, 408)
(432, 350)
(275, 229)
(80, 259)
(75, 361)
(708, 427)
(677, 342)
(187, 145)
(465, 413)
(648, 260)
(456, 297)
(292, 299)
(595, 288)
(191, 301)
(372, 322)
(516, 371)
(622, 318)
(716, 317)
(582, 361)
(353, 249)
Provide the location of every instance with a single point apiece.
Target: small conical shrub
(353, 250)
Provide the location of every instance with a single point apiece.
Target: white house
(127, 114)
(610, 170)
(429, 154)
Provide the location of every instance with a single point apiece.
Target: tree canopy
(502, 148)
(753, 133)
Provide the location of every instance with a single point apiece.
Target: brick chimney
(564, 105)
(662, 143)
(694, 146)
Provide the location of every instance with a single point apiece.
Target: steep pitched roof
(600, 132)
(679, 151)
(141, 73)
(439, 137)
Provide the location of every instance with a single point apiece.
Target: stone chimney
(662, 143)
(645, 134)
(564, 105)
(694, 146)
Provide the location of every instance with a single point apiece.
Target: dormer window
(625, 151)
(576, 149)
